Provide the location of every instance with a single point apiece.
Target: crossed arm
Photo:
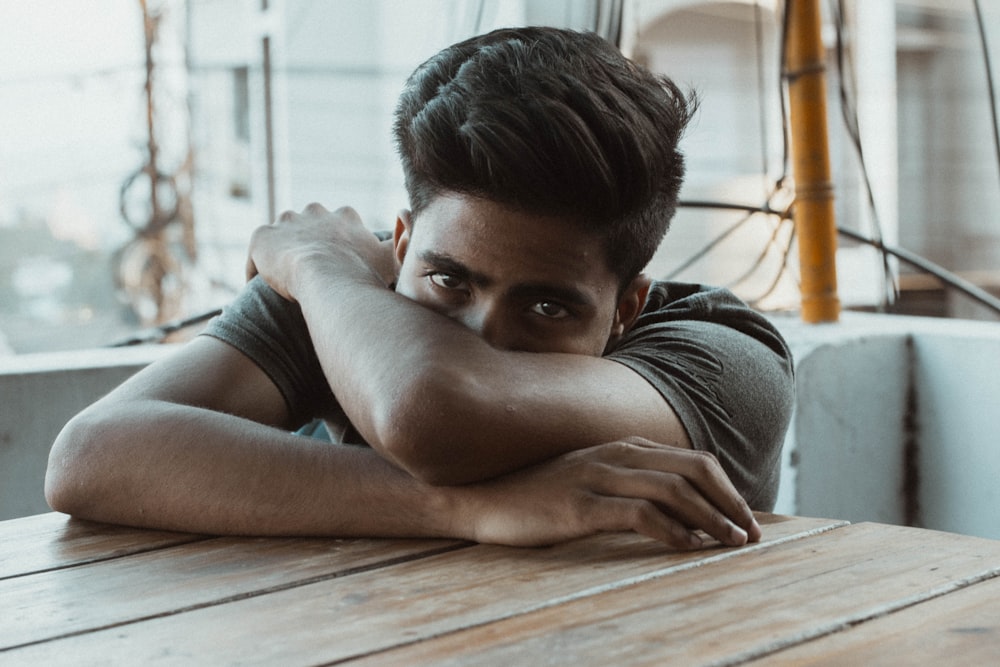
(428, 393)
(197, 442)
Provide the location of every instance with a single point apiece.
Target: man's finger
(643, 517)
(704, 472)
(250, 270)
(315, 209)
(676, 499)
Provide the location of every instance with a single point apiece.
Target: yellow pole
(813, 210)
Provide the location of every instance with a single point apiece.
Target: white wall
(896, 421)
(958, 401)
(840, 437)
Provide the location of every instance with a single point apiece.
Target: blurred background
(142, 141)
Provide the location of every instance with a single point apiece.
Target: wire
(849, 114)
(777, 278)
(761, 257)
(697, 256)
(980, 23)
(693, 259)
(927, 266)
(727, 233)
(783, 95)
(762, 103)
(913, 259)
(157, 334)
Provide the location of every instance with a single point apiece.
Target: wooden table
(813, 590)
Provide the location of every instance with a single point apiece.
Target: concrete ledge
(40, 393)
(896, 421)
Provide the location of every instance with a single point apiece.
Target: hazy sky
(71, 74)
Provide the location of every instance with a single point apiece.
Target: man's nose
(487, 320)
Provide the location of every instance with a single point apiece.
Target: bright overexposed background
(240, 137)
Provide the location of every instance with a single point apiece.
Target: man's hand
(659, 491)
(337, 241)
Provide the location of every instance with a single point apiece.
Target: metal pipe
(272, 197)
(813, 210)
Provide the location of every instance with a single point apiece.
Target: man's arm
(437, 400)
(425, 391)
(195, 443)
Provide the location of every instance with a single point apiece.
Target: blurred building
(260, 107)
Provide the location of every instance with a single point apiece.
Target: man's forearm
(422, 389)
(430, 393)
(161, 465)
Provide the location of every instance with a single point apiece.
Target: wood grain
(46, 605)
(728, 612)
(54, 540)
(960, 628)
(414, 600)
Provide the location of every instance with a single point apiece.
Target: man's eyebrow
(448, 264)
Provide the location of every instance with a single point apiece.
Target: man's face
(521, 281)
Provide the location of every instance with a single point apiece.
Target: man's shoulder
(272, 333)
(703, 315)
(693, 301)
(725, 370)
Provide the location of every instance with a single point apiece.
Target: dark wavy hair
(552, 122)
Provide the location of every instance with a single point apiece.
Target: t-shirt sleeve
(272, 332)
(727, 374)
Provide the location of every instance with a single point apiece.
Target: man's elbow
(426, 457)
(410, 429)
(429, 452)
(71, 479)
(443, 425)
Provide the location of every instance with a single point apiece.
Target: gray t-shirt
(723, 368)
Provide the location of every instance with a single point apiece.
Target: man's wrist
(329, 274)
(452, 511)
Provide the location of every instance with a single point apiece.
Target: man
(514, 375)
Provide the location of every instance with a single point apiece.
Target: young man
(514, 375)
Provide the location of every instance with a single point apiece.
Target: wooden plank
(42, 606)
(962, 627)
(728, 612)
(54, 540)
(375, 610)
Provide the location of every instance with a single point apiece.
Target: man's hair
(550, 122)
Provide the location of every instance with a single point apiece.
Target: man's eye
(446, 280)
(550, 309)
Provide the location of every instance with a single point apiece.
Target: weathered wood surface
(165, 574)
(961, 628)
(813, 590)
(53, 540)
(773, 598)
(308, 617)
